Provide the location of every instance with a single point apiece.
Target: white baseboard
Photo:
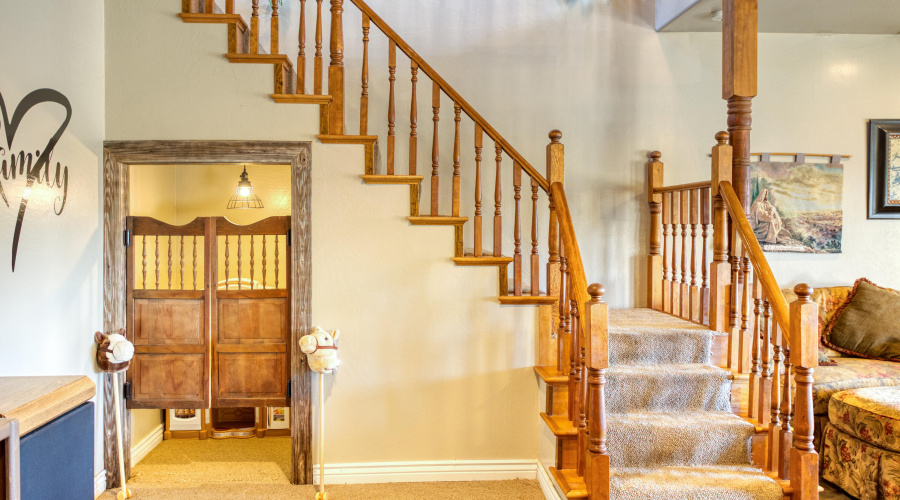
(548, 485)
(144, 446)
(451, 470)
(99, 483)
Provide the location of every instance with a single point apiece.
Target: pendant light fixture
(243, 194)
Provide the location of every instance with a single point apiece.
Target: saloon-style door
(167, 313)
(251, 319)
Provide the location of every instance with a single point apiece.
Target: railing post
(336, 70)
(655, 257)
(804, 335)
(720, 271)
(596, 473)
(555, 173)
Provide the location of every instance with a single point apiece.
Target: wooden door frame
(117, 158)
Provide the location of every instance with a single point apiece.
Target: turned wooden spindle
(734, 304)
(720, 271)
(745, 339)
(435, 147)
(336, 70)
(251, 263)
(804, 355)
(577, 381)
(704, 267)
(413, 119)
(694, 290)
(227, 262)
(273, 36)
(318, 66)
(276, 262)
(194, 267)
(785, 437)
(229, 6)
(364, 98)
(181, 261)
(456, 152)
(479, 143)
(655, 257)
(392, 71)
(301, 52)
(555, 173)
(169, 259)
(666, 271)
(240, 263)
(597, 360)
(685, 299)
(756, 332)
(144, 262)
(535, 273)
(563, 311)
(765, 381)
(209, 6)
(774, 405)
(676, 272)
(498, 219)
(264, 261)
(156, 268)
(254, 28)
(517, 231)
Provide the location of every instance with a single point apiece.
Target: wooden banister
(439, 82)
(574, 264)
(760, 265)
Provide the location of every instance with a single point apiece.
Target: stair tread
(511, 299)
(570, 482)
(441, 220)
(560, 425)
(260, 59)
(392, 179)
(301, 98)
(551, 375)
(468, 260)
(347, 139)
(215, 18)
(682, 482)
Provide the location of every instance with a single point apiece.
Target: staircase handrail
(761, 266)
(451, 92)
(570, 242)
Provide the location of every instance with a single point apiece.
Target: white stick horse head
(321, 352)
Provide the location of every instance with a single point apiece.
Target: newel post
(556, 154)
(804, 339)
(336, 70)
(597, 360)
(720, 270)
(655, 257)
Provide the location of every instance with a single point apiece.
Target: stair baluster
(254, 28)
(765, 383)
(435, 147)
(745, 340)
(301, 52)
(666, 271)
(498, 219)
(392, 70)
(413, 119)
(704, 268)
(804, 348)
(517, 231)
(695, 314)
(597, 349)
(734, 304)
(479, 138)
(229, 6)
(753, 398)
(456, 152)
(675, 292)
(317, 58)
(775, 425)
(535, 273)
(273, 37)
(655, 259)
(685, 298)
(336, 70)
(364, 98)
(209, 6)
(785, 438)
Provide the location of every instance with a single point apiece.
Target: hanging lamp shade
(243, 194)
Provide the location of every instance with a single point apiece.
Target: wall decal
(23, 164)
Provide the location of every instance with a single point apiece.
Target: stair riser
(557, 400)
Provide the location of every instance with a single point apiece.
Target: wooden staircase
(573, 342)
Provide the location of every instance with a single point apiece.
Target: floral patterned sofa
(856, 403)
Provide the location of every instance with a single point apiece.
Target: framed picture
(884, 169)
(279, 417)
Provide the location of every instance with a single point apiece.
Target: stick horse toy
(320, 348)
(114, 354)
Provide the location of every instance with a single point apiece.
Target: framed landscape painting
(884, 169)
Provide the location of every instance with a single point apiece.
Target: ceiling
(881, 17)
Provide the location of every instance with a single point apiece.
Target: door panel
(172, 380)
(168, 321)
(244, 376)
(251, 320)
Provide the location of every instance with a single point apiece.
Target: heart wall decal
(17, 165)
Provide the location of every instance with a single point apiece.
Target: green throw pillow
(867, 325)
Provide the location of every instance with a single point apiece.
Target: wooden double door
(208, 310)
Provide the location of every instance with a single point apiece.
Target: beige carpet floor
(259, 468)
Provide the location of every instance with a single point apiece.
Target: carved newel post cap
(655, 155)
(803, 291)
(555, 136)
(596, 291)
(722, 137)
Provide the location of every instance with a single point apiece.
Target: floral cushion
(871, 414)
(851, 373)
(862, 470)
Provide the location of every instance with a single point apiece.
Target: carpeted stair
(671, 432)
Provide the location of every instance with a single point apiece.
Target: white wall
(56, 289)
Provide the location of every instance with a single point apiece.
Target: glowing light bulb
(244, 191)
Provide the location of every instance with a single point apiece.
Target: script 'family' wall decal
(22, 165)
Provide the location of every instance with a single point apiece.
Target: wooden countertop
(38, 400)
